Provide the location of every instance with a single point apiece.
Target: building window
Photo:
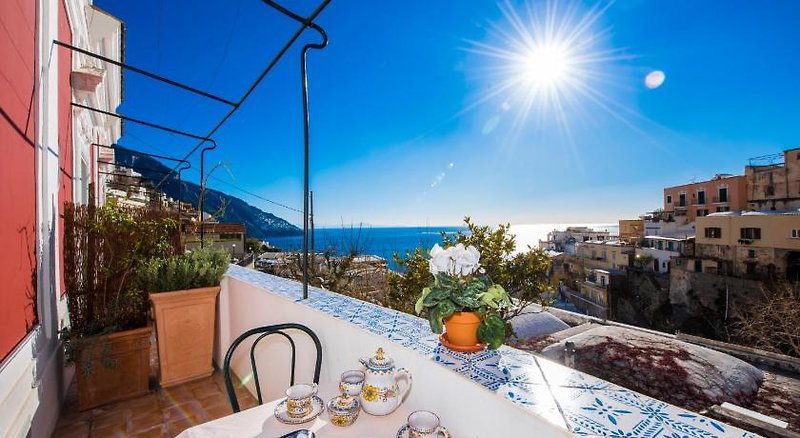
(721, 209)
(670, 246)
(723, 194)
(682, 200)
(702, 212)
(669, 199)
(751, 253)
(713, 233)
(701, 197)
(750, 233)
(796, 234)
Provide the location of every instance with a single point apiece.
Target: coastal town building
(608, 255)
(748, 244)
(657, 251)
(227, 236)
(721, 193)
(48, 160)
(773, 181)
(631, 230)
(593, 299)
(565, 240)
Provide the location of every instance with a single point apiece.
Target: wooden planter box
(185, 331)
(129, 351)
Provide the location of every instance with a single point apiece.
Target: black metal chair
(265, 331)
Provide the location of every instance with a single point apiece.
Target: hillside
(259, 223)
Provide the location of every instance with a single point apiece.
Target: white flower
(456, 260)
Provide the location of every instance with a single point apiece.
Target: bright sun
(545, 66)
(548, 62)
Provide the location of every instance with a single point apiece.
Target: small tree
(772, 323)
(524, 274)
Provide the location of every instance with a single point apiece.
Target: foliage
(103, 248)
(448, 294)
(254, 245)
(643, 261)
(200, 268)
(772, 323)
(524, 274)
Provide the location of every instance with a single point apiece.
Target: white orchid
(456, 261)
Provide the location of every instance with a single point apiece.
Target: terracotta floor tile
(75, 430)
(146, 422)
(113, 431)
(164, 412)
(153, 433)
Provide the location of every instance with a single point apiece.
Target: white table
(260, 421)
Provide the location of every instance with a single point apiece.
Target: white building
(564, 241)
(661, 250)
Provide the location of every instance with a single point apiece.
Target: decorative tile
(586, 405)
(538, 399)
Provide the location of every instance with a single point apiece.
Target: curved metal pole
(304, 79)
(180, 186)
(203, 189)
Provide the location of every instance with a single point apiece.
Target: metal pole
(307, 22)
(203, 190)
(311, 218)
(144, 73)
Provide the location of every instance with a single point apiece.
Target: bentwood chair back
(263, 332)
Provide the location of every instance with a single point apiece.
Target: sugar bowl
(343, 409)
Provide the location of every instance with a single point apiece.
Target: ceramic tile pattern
(585, 405)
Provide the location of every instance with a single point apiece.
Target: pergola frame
(305, 22)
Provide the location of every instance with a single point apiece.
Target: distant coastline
(385, 241)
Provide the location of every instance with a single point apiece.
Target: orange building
(721, 193)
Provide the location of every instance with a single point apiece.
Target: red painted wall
(17, 172)
(65, 153)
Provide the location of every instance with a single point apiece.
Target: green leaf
(492, 331)
(436, 295)
(435, 320)
(419, 306)
(445, 309)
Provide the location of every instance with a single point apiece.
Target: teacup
(352, 382)
(298, 399)
(425, 424)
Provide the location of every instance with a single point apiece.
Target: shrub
(199, 268)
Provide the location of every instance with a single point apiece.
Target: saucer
(459, 348)
(403, 432)
(317, 406)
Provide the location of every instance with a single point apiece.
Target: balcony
(720, 200)
(519, 391)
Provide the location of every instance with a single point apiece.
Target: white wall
(465, 407)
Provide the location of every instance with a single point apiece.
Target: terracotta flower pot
(185, 330)
(129, 373)
(462, 328)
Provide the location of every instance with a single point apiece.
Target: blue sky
(402, 130)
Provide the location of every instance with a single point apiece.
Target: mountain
(259, 223)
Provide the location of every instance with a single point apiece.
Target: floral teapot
(380, 394)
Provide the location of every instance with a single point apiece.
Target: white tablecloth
(260, 421)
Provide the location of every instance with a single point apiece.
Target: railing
(551, 399)
(720, 200)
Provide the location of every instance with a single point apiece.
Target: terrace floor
(163, 412)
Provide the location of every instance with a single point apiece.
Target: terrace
(519, 391)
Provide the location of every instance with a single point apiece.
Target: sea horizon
(385, 241)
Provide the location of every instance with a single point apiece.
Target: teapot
(380, 394)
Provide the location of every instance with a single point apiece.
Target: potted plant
(463, 300)
(108, 338)
(183, 290)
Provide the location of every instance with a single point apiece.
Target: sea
(385, 241)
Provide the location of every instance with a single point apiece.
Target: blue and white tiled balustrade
(585, 405)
